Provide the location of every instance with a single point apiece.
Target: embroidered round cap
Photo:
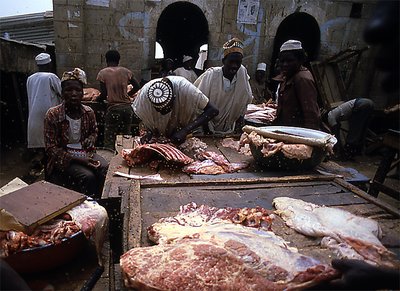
(262, 67)
(76, 74)
(291, 45)
(160, 94)
(186, 58)
(42, 59)
(234, 45)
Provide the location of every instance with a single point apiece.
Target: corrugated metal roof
(35, 27)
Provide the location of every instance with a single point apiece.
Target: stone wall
(86, 29)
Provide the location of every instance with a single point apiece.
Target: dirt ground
(15, 162)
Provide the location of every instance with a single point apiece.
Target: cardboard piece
(38, 203)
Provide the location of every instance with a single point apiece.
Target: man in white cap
(228, 88)
(258, 85)
(187, 70)
(44, 91)
(172, 107)
(297, 92)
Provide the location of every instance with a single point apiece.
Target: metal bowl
(279, 161)
(46, 257)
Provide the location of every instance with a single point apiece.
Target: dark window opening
(181, 30)
(356, 10)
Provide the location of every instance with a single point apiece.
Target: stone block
(76, 2)
(75, 30)
(60, 13)
(60, 30)
(343, 9)
(59, 2)
(135, 5)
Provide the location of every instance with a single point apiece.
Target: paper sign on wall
(248, 11)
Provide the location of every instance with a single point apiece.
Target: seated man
(73, 123)
(228, 88)
(358, 113)
(297, 100)
(186, 70)
(172, 107)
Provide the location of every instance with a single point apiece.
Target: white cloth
(189, 75)
(188, 105)
(44, 91)
(200, 61)
(231, 98)
(74, 131)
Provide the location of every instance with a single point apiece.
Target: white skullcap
(42, 59)
(291, 45)
(186, 58)
(262, 67)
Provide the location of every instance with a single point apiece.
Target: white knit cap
(186, 58)
(291, 45)
(42, 59)
(262, 67)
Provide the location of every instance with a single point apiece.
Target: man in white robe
(44, 91)
(228, 88)
(186, 70)
(172, 107)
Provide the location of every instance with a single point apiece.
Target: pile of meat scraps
(203, 162)
(208, 248)
(264, 113)
(88, 217)
(350, 236)
(270, 147)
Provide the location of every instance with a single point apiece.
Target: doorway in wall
(181, 30)
(299, 26)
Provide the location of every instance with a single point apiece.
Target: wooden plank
(135, 219)
(37, 203)
(286, 179)
(390, 209)
(114, 186)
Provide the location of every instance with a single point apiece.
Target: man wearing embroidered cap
(172, 107)
(258, 85)
(72, 123)
(228, 88)
(44, 91)
(187, 70)
(297, 92)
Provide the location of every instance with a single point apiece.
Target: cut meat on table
(192, 146)
(350, 235)
(237, 145)
(212, 164)
(190, 264)
(207, 248)
(143, 154)
(261, 113)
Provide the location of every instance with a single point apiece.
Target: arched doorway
(300, 26)
(181, 30)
